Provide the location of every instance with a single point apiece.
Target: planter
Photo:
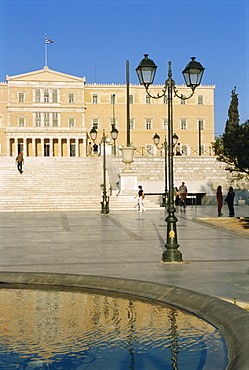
(127, 157)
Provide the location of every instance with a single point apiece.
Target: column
(8, 147)
(24, 140)
(16, 147)
(68, 147)
(42, 146)
(33, 147)
(59, 147)
(51, 148)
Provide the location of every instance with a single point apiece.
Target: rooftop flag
(48, 41)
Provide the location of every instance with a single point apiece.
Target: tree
(233, 146)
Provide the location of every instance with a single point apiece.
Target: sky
(95, 38)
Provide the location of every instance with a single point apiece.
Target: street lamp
(156, 139)
(93, 134)
(114, 135)
(105, 201)
(192, 74)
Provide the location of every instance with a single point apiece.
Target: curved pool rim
(231, 320)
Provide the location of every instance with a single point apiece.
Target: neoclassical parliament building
(48, 113)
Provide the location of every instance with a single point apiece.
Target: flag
(48, 41)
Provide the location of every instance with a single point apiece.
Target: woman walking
(230, 199)
(140, 196)
(219, 200)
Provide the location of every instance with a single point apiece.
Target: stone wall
(205, 170)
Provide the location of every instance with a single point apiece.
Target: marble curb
(217, 225)
(231, 320)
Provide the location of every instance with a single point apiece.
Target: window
(113, 121)
(21, 97)
(202, 149)
(131, 99)
(200, 99)
(183, 100)
(55, 96)
(165, 99)
(71, 98)
(37, 95)
(183, 124)
(132, 124)
(200, 124)
(148, 148)
(46, 119)
(38, 119)
(113, 99)
(71, 122)
(95, 123)
(21, 121)
(95, 99)
(148, 99)
(184, 149)
(148, 124)
(55, 119)
(46, 96)
(165, 123)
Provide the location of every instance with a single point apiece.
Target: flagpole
(46, 53)
(47, 41)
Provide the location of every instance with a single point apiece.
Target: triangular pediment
(47, 75)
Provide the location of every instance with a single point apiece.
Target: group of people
(182, 193)
(229, 199)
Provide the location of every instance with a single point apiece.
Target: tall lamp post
(192, 74)
(114, 135)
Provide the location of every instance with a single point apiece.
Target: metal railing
(143, 151)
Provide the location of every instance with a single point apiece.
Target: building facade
(48, 113)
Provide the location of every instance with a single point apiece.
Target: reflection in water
(59, 329)
(173, 339)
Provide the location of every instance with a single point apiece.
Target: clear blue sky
(95, 38)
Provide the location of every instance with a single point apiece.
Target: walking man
(183, 194)
(19, 162)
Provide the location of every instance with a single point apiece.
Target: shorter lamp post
(156, 139)
(93, 134)
(105, 198)
(114, 135)
(192, 74)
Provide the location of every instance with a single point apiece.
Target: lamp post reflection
(173, 338)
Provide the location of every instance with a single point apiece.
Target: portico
(35, 144)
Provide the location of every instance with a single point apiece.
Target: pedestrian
(219, 199)
(140, 196)
(19, 162)
(183, 194)
(95, 149)
(177, 197)
(89, 149)
(178, 149)
(230, 199)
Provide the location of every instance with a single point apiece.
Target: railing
(160, 152)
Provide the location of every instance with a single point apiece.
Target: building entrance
(46, 150)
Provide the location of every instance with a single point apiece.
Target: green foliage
(233, 146)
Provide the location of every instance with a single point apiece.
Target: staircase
(57, 184)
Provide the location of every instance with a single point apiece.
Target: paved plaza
(128, 244)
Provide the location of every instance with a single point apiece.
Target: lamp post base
(105, 207)
(172, 256)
